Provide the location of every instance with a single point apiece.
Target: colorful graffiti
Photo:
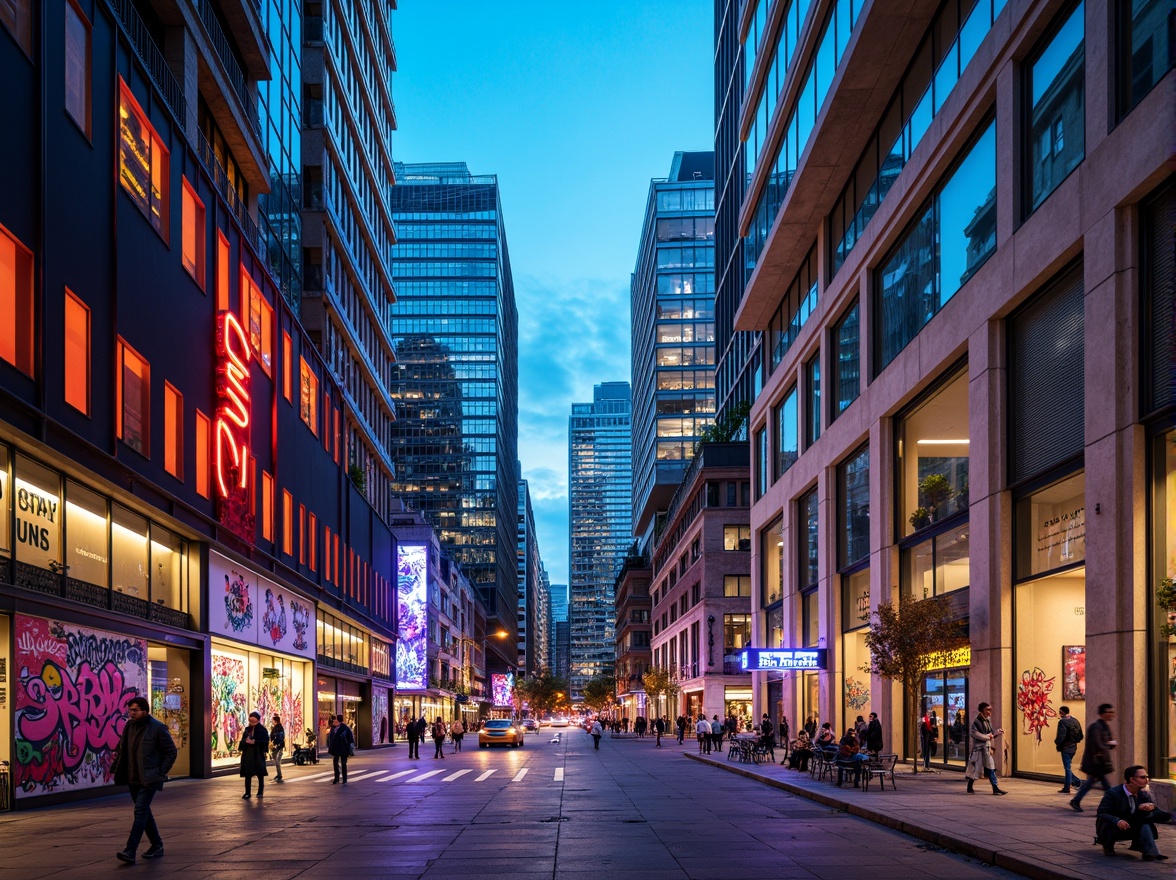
(412, 564)
(502, 688)
(71, 696)
(857, 694)
(258, 611)
(229, 704)
(276, 696)
(238, 603)
(1033, 700)
(274, 619)
(300, 614)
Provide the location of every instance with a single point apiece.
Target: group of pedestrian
(416, 731)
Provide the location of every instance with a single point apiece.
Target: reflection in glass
(87, 534)
(854, 491)
(807, 562)
(1145, 53)
(167, 556)
(129, 553)
(810, 619)
(813, 400)
(847, 383)
(933, 457)
(786, 433)
(772, 553)
(1057, 111)
(1051, 527)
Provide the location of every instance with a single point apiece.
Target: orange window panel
(327, 552)
(252, 474)
(144, 162)
(134, 399)
(193, 233)
(308, 396)
(203, 433)
(311, 541)
(287, 523)
(287, 367)
(302, 534)
(267, 506)
(338, 442)
(16, 303)
(223, 271)
(77, 353)
(335, 560)
(173, 431)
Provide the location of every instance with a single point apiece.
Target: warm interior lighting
(942, 442)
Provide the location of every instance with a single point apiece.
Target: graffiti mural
(1033, 700)
(245, 606)
(857, 693)
(276, 696)
(229, 702)
(72, 688)
(412, 666)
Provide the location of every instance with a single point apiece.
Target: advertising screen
(502, 688)
(784, 658)
(412, 573)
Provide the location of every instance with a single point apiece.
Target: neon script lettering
(232, 414)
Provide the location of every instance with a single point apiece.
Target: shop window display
(933, 458)
(772, 553)
(37, 507)
(1164, 567)
(87, 534)
(246, 681)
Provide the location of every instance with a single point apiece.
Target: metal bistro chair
(739, 750)
(880, 769)
(828, 764)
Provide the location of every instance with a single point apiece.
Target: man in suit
(1127, 812)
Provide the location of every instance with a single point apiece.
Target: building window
(1056, 103)
(737, 586)
(203, 434)
(1145, 49)
(736, 537)
(785, 427)
(287, 367)
(311, 535)
(77, 65)
(933, 444)
(941, 251)
(193, 216)
(772, 556)
(16, 303)
(810, 619)
(267, 506)
(134, 399)
(812, 415)
(308, 399)
(287, 523)
(939, 565)
(173, 431)
(260, 321)
(302, 534)
(761, 463)
(853, 484)
(223, 270)
(17, 16)
(143, 162)
(77, 353)
(808, 551)
(847, 370)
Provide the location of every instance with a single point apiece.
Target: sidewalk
(1031, 831)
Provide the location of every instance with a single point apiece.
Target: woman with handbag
(980, 762)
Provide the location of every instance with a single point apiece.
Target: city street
(546, 810)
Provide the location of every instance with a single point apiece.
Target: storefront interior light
(963, 442)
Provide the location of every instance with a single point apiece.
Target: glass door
(931, 709)
(955, 719)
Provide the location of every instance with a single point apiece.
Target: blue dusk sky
(575, 106)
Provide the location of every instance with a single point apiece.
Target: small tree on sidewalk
(659, 683)
(907, 640)
(600, 692)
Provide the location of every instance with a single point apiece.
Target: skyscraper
(559, 658)
(673, 331)
(455, 329)
(532, 579)
(347, 232)
(599, 475)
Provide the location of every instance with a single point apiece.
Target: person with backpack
(457, 731)
(1096, 755)
(681, 723)
(439, 738)
(1067, 738)
(277, 741)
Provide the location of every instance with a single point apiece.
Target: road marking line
(312, 776)
(519, 776)
(424, 776)
(559, 774)
(366, 774)
(392, 776)
(457, 775)
(486, 775)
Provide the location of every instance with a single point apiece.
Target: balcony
(152, 58)
(57, 583)
(220, 44)
(220, 182)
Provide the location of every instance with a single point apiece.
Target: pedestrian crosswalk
(415, 775)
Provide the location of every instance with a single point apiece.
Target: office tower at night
(348, 59)
(532, 582)
(599, 493)
(455, 330)
(673, 330)
(559, 651)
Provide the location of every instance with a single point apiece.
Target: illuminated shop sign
(502, 688)
(758, 659)
(231, 438)
(412, 573)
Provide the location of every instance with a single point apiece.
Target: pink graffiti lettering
(85, 713)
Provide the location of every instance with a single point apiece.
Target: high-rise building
(559, 656)
(599, 478)
(531, 583)
(543, 625)
(633, 654)
(673, 329)
(455, 329)
(958, 223)
(347, 233)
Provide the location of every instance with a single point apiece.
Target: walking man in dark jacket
(1067, 738)
(1096, 755)
(254, 750)
(414, 740)
(145, 753)
(874, 739)
(681, 723)
(340, 742)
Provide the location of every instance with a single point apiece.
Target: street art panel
(412, 572)
(243, 605)
(230, 699)
(72, 688)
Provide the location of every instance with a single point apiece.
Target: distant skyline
(575, 110)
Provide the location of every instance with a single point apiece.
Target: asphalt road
(548, 810)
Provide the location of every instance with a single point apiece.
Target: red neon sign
(231, 433)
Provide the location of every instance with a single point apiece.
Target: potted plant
(934, 492)
(920, 518)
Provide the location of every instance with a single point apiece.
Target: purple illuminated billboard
(412, 577)
(502, 689)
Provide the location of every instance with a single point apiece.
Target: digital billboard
(502, 688)
(412, 578)
(784, 658)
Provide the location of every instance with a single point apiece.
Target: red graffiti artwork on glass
(1033, 700)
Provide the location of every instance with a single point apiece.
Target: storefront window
(775, 624)
(810, 619)
(167, 568)
(772, 553)
(129, 552)
(87, 535)
(858, 699)
(1164, 566)
(5, 507)
(938, 565)
(1051, 528)
(245, 681)
(38, 515)
(854, 490)
(807, 563)
(933, 458)
(855, 600)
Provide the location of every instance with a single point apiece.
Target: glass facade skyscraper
(600, 497)
(455, 328)
(673, 331)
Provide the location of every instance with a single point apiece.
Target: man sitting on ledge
(1127, 812)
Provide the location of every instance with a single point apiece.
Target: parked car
(559, 722)
(501, 732)
(530, 725)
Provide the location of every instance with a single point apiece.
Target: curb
(939, 838)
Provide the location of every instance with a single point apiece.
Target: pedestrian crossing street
(408, 777)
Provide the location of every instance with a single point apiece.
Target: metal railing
(152, 58)
(232, 69)
(220, 181)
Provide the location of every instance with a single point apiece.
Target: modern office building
(599, 494)
(633, 654)
(959, 218)
(700, 584)
(174, 515)
(531, 577)
(673, 330)
(544, 630)
(559, 658)
(348, 59)
(455, 330)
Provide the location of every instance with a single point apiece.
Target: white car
(559, 722)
